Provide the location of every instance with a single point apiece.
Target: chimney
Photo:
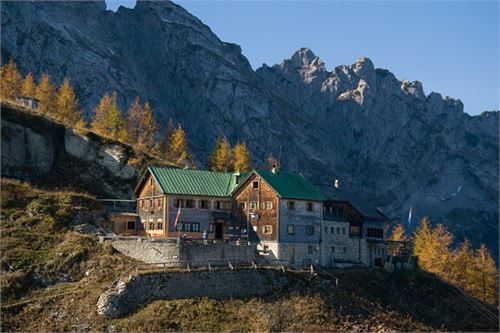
(274, 169)
(336, 184)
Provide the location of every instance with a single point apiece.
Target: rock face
(49, 154)
(384, 138)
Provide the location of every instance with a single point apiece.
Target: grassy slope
(48, 259)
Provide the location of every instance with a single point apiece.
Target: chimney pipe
(337, 184)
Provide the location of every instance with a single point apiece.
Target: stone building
(352, 229)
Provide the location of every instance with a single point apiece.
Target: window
(255, 184)
(269, 205)
(243, 205)
(254, 205)
(265, 248)
(150, 203)
(190, 203)
(151, 226)
(159, 226)
(333, 249)
(151, 181)
(309, 230)
(332, 230)
(204, 204)
(310, 249)
(291, 205)
(195, 227)
(130, 225)
(344, 249)
(179, 203)
(210, 228)
(291, 229)
(326, 230)
(268, 229)
(374, 233)
(309, 206)
(343, 230)
(222, 205)
(338, 230)
(354, 231)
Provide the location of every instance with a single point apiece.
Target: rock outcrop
(383, 137)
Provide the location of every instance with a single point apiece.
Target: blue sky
(451, 47)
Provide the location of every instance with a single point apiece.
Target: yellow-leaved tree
(163, 148)
(178, 148)
(107, 119)
(397, 234)
(142, 127)
(485, 278)
(10, 80)
(242, 161)
(67, 108)
(28, 88)
(460, 270)
(45, 93)
(221, 157)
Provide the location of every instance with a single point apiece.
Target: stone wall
(141, 290)
(162, 250)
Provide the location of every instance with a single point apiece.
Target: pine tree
(241, 158)
(45, 92)
(485, 278)
(67, 108)
(108, 120)
(10, 80)
(178, 147)
(28, 88)
(221, 157)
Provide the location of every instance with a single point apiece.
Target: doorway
(219, 231)
(291, 253)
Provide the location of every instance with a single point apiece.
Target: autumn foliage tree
(241, 158)
(45, 93)
(67, 108)
(10, 80)
(397, 234)
(142, 127)
(107, 119)
(28, 87)
(221, 157)
(474, 272)
(177, 147)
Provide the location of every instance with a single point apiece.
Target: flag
(409, 217)
(177, 217)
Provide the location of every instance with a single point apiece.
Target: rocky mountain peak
(303, 58)
(363, 66)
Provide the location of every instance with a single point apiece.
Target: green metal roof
(194, 182)
(290, 185)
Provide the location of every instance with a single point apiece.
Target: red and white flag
(177, 217)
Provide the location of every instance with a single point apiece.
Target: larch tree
(221, 157)
(422, 240)
(439, 255)
(10, 80)
(108, 120)
(485, 279)
(134, 121)
(397, 234)
(178, 149)
(28, 87)
(242, 161)
(45, 93)
(67, 108)
(164, 144)
(461, 268)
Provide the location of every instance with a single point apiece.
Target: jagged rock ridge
(384, 138)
